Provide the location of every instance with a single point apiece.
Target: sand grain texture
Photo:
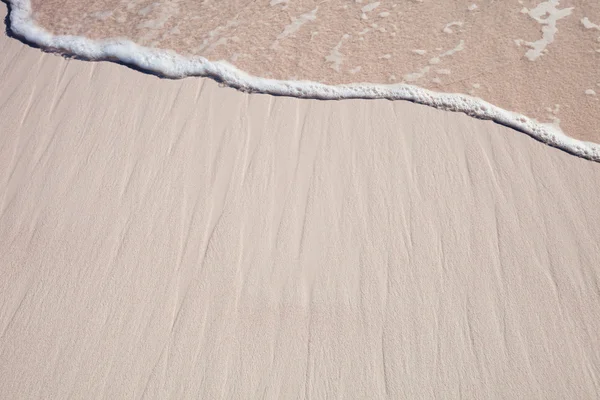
(176, 239)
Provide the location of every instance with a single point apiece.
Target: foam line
(169, 64)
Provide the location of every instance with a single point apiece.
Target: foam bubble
(172, 65)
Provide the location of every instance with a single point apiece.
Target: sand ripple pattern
(173, 239)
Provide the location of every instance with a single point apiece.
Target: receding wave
(330, 75)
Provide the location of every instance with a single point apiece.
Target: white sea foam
(295, 25)
(448, 27)
(335, 57)
(172, 65)
(547, 14)
(370, 7)
(589, 24)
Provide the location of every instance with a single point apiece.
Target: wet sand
(176, 239)
(538, 58)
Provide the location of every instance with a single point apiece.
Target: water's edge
(167, 64)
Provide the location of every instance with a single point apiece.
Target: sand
(176, 239)
(539, 58)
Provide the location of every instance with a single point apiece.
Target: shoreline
(165, 63)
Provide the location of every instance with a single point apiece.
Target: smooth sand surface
(539, 58)
(175, 239)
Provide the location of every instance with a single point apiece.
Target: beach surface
(177, 239)
(539, 58)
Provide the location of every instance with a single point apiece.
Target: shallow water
(538, 58)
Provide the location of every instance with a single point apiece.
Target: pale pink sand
(540, 58)
(174, 239)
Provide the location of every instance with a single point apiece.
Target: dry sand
(175, 239)
(539, 58)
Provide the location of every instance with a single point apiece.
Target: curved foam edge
(172, 65)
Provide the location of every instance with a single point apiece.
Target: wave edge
(168, 64)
